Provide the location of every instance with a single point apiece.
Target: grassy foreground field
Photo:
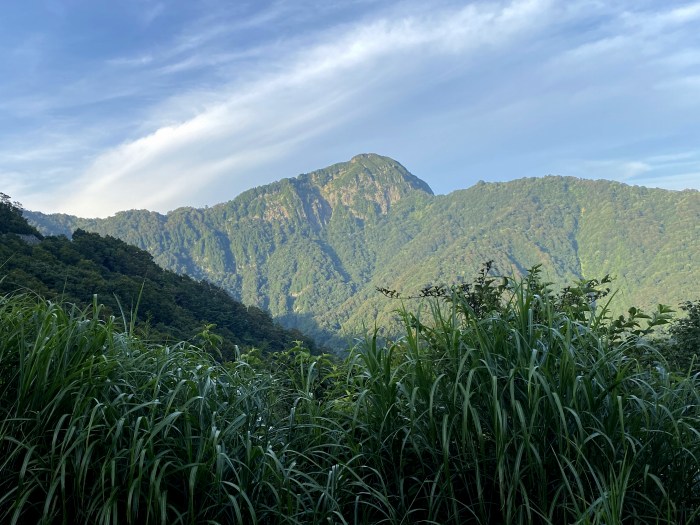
(531, 408)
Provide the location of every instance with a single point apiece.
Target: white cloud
(205, 114)
(633, 169)
(255, 124)
(673, 171)
(677, 181)
(665, 20)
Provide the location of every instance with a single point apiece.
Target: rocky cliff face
(367, 185)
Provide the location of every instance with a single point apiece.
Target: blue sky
(113, 105)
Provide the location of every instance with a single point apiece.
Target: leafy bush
(684, 346)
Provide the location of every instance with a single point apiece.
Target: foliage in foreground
(535, 410)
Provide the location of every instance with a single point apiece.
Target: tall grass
(526, 414)
(98, 427)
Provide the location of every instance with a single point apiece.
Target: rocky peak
(368, 184)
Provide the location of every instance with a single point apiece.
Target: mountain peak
(387, 170)
(366, 184)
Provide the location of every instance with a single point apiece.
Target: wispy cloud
(235, 96)
(673, 181)
(151, 12)
(322, 87)
(617, 169)
(675, 171)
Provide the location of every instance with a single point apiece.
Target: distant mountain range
(313, 249)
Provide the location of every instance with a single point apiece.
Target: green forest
(499, 400)
(131, 287)
(312, 250)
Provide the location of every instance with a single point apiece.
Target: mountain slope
(125, 279)
(313, 249)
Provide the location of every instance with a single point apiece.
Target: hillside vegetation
(313, 249)
(502, 402)
(156, 303)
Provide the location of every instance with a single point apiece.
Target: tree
(685, 337)
(11, 219)
(15, 206)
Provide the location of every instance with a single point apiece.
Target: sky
(130, 104)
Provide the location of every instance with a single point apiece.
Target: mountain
(313, 249)
(166, 306)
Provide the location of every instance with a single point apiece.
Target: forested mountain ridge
(313, 249)
(124, 278)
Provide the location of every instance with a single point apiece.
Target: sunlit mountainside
(313, 249)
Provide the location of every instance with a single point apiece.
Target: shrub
(684, 347)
